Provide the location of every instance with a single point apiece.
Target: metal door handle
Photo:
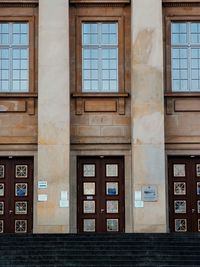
(193, 210)
(10, 211)
(102, 210)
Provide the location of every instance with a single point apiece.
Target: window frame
(30, 21)
(168, 49)
(87, 19)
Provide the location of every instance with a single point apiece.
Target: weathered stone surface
(53, 117)
(148, 113)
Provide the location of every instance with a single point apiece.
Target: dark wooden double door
(16, 195)
(100, 194)
(184, 194)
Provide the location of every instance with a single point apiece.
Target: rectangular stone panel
(12, 106)
(187, 105)
(100, 106)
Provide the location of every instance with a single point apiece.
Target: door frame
(33, 154)
(128, 183)
(175, 153)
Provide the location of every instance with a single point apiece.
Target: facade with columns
(99, 116)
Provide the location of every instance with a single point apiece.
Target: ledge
(100, 1)
(181, 1)
(18, 95)
(96, 95)
(170, 94)
(19, 1)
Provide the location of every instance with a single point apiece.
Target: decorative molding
(100, 1)
(181, 3)
(19, 1)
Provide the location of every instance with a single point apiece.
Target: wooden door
(184, 194)
(100, 194)
(16, 195)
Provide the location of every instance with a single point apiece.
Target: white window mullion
(189, 59)
(10, 57)
(100, 83)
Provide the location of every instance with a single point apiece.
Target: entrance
(100, 194)
(16, 195)
(184, 194)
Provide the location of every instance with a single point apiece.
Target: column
(148, 161)
(52, 216)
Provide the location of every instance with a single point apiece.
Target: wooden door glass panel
(88, 188)
(88, 170)
(21, 171)
(21, 207)
(2, 168)
(179, 170)
(89, 206)
(179, 188)
(111, 170)
(112, 206)
(198, 188)
(198, 206)
(112, 188)
(89, 225)
(20, 226)
(180, 225)
(1, 226)
(180, 206)
(21, 189)
(198, 170)
(1, 189)
(1, 208)
(112, 225)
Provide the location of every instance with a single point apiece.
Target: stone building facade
(99, 116)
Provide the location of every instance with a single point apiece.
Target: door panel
(16, 195)
(100, 194)
(184, 194)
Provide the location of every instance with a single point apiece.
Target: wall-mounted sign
(64, 195)
(42, 197)
(139, 204)
(149, 193)
(64, 203)
(42, 184)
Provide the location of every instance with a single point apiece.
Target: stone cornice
(19, 1)
(181, 3)
(100, 1)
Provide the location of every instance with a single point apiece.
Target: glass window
(100, 57)
(185, 56)
(14, 57)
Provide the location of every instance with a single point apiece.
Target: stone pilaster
(148, 113)
(53, 114)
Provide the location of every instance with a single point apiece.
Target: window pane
(24, 86)
(86, 74)
(16, 39)
(4, 39)
(16, 28)
(86, 85)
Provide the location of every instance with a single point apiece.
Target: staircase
(100, 250)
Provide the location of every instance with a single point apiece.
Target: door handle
(102, 210)
(10, 211)
(193, 210)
